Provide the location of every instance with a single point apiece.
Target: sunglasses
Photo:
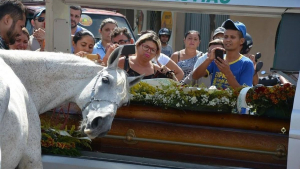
(121, 42)
(40, 19)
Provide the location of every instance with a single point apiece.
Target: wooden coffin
(214, 138)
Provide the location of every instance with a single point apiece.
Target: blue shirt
(100, 49)
(79, 28)
(242, 69)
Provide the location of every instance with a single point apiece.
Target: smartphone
(92, 56)
(128, 50)
(219, 54)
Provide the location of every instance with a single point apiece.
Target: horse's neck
(49, 79)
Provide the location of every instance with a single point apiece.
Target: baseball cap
(229, 24)
(219, 30)
(38, 13)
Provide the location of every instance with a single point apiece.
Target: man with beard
(75, 15)
(234, 70)
(12, 20)
(37, 39)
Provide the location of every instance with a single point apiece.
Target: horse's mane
(126, 88)
(51, 62)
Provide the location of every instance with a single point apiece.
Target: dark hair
(25, 31)
(117, 31)
(76, 8)
(78, 36)
(216, 42)
(239, 32)
(106, 21)
(14, 8)
(190, 32)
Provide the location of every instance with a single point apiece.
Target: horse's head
(108, 91)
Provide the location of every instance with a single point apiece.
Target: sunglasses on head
(40, 19)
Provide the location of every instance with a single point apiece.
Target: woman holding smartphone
(83, 43)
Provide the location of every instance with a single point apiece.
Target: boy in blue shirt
(235, 70)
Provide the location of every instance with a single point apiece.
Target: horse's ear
(113, 59)
(134, 80)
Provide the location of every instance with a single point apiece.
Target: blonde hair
(25, 31)
(149, 37)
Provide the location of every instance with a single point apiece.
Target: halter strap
(93, 99)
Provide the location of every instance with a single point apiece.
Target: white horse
(55, 78)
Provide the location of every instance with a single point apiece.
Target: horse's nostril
(97, 121)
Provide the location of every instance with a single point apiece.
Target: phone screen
(219, 53)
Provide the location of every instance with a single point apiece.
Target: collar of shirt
(79, 28)
(3, 44)
(99, 45)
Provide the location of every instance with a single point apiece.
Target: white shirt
(200, 60)
(163, 59)
(206, 81)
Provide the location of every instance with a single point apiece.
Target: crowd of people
(153, 54)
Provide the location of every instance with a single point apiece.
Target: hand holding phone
(219, 54)
(92, 56)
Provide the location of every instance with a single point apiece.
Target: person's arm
(121, 62)
(255, 79)
(177, 70)
(255, 76)
(174, 57)
(109, 50)
(200, 71)
(283, 80)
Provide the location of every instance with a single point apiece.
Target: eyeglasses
(121, 42)
(40, 19)
(146, 48)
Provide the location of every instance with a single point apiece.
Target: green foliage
(259, 99)
(184, 97)
(67, 142)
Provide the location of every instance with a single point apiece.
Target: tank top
(131, 72)
(187, 65)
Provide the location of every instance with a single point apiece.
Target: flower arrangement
(279, 98)
(212, 99)
(184, 97)
(66, 142)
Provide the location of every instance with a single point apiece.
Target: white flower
(212, 89)
(225, 100)
(177, 105)
(194, 100)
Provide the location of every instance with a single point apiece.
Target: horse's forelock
(125, 92)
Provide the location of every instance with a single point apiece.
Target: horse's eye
(105, 80)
